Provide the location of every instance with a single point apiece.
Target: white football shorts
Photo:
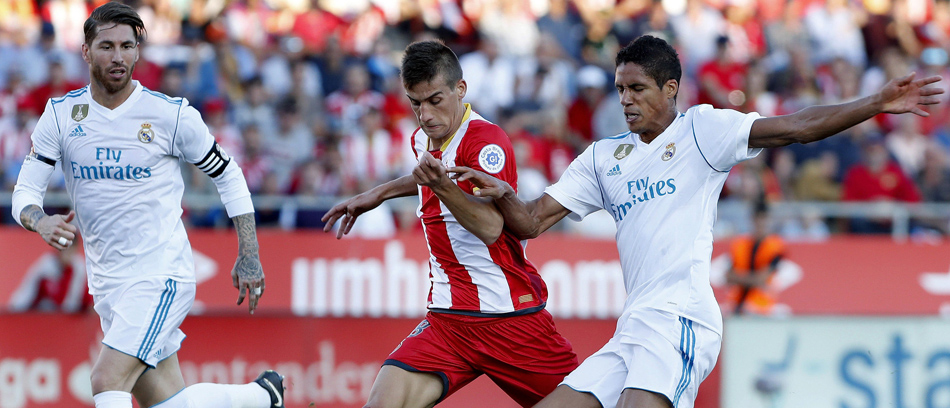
(141, 318)
(651, 350)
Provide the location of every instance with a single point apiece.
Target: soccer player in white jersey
(486, 302)
(120, 146)
(661, 181)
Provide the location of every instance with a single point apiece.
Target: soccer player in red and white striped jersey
(486, 303)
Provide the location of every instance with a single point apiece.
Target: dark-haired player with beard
(661, 181)
(120, 145)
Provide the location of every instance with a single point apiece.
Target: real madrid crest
(670, 151)
(146, 134)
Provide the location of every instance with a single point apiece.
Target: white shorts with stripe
(141, 318)
(651, 350)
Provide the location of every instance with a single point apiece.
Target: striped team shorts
(651, 350)
(141, 317)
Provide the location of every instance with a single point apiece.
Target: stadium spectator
(55, 85)
(490, 77)
(256, 108)
(347, 105)
(722, 80)
(834, 29)
(563, 22)
(486, 302)
(816, 179)
(15, 144)
(785, 34)
(876, 178)
(32, 60)
(226, 134)
(696, 32)
(291, 146)
(255, 164)
(591, 83)
(147, 72)
(907, 144)
(545, 81)
(755, 259)
(934, 177)
(657, 243)
(139, 261)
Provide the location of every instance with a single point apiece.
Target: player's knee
(102, 380)
(105, 379)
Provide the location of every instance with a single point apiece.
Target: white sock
(208, 395)
(114, 399)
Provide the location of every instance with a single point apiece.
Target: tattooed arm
(247, 275)
(50, 227)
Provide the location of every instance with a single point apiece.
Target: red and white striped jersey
(467, 276)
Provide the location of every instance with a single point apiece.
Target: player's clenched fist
(487, 186)
(430, 172)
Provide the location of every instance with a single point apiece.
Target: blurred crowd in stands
(305, 94)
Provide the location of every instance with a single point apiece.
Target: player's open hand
(430, 172)
(487, 186)
(902, 95)
(248, 277)
(349, 210)
(56, 230)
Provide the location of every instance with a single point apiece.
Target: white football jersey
(663, 199)
(123, 176)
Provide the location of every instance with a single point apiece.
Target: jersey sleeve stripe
(52, 106)
(696, 140)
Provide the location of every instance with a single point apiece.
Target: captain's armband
(33, 155)
(214, 162)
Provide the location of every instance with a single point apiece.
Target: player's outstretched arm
(477, 215)
(526, 220)
(901, 95)
(248, 275)
(361, 203)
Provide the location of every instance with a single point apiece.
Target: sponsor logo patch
(623, 150)
(492, 158)
(80, 111)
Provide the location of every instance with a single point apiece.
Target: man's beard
(101, 75)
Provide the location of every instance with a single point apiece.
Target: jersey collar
(465, 117)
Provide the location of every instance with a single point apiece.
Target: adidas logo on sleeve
(614, 171)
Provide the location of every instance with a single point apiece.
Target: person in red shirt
(591, 81)
(877, 178)
(486, 303)
(722, 80)
(56, 86)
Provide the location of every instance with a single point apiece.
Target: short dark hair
(656, 56)
(425, 60)
(116, 13)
